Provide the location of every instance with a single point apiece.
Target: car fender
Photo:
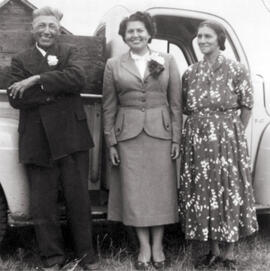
(12, 174)
(262, 169)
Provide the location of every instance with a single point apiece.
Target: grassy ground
(116, 247)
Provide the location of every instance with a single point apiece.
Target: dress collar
(217, 64)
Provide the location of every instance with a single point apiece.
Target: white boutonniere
(52, 60)
(156, 64)
(157, 58)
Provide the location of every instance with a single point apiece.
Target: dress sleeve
(109, 104)
(243, 87)
(185, 80)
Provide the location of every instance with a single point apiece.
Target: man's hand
(18, 88)
(175, 151)
(114, 156)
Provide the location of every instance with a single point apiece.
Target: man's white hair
(48, 11)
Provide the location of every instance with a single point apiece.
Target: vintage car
(248, 39)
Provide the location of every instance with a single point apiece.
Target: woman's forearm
(245, 116)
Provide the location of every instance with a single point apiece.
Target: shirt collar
(42, 51)
(139, 57)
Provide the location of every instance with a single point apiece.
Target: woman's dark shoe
(142, 265)
(91, 267)
(208, 261)
(229, 264)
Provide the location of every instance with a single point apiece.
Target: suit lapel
(128, 64)
(53, 51)
(34, 61)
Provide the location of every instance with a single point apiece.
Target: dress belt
(214, 114)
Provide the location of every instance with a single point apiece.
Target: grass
(117, 246)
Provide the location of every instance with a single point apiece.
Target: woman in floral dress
(216, 195)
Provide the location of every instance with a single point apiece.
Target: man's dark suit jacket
(52, 119)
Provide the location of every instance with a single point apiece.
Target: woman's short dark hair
(219, 30)
(143, 17)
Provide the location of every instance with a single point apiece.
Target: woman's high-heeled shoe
(161, 265)
(139, 265)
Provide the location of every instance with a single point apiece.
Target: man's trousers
(70, 172)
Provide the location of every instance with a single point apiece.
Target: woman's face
(136, 36)
(207, 40)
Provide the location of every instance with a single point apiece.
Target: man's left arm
(70, 79)
(24, 91)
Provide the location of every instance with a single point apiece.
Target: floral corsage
(52, 60)
(155, 64)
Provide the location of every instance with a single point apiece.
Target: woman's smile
(207, 40)
(137, 36)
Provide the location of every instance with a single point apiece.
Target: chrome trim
(84, 95)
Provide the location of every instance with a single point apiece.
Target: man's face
(45, 30)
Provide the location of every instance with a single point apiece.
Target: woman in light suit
(142, 124)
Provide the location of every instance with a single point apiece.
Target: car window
(168, 47)
(159, 45)
(228, 52)
(179, 57)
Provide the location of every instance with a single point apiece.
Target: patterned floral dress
(216, 194)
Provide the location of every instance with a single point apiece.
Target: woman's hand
(175, 151)
(245, 116)
(114, 156)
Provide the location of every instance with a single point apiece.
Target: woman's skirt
(216, 194)
(145, 191)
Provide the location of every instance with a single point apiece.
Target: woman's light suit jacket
(132, 104)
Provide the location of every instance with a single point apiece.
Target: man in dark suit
(54, 139)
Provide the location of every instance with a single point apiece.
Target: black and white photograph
(134, 135)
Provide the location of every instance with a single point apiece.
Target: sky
(81, 17)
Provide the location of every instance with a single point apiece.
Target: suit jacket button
(48, 99)
(143, 109)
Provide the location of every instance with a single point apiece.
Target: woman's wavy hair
(143, 17)
(219, 30)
